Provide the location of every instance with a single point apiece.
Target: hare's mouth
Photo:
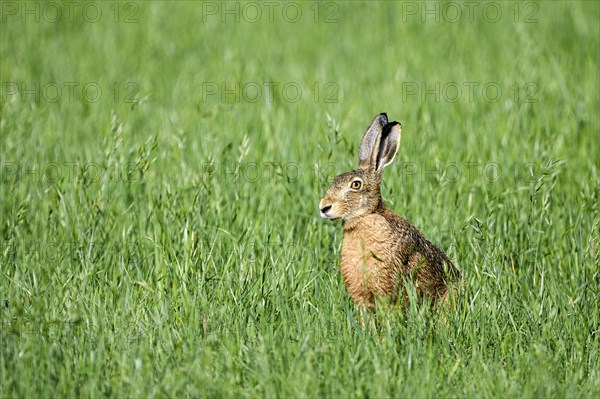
(325, 216)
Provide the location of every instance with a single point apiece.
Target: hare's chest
(366, 269)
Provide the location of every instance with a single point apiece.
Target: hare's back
(429, 265)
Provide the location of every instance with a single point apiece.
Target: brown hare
(381, 249)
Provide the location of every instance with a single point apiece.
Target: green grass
(164, 241)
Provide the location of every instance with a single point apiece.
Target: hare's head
(354, 194)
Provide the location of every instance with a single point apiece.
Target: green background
(161, 168)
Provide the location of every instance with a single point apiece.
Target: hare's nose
(325, 209)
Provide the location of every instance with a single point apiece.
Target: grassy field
(161, 168)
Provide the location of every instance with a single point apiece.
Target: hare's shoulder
(400, 228)
(383, 233)
(415, 249)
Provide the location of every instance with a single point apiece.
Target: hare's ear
(370, 141)
(388, 145)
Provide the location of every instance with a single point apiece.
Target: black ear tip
(384, 114)
(390, 125)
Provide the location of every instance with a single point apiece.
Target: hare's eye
(356, 185)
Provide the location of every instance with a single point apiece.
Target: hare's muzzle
(325, 207)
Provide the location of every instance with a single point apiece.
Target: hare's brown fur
(382, 250)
